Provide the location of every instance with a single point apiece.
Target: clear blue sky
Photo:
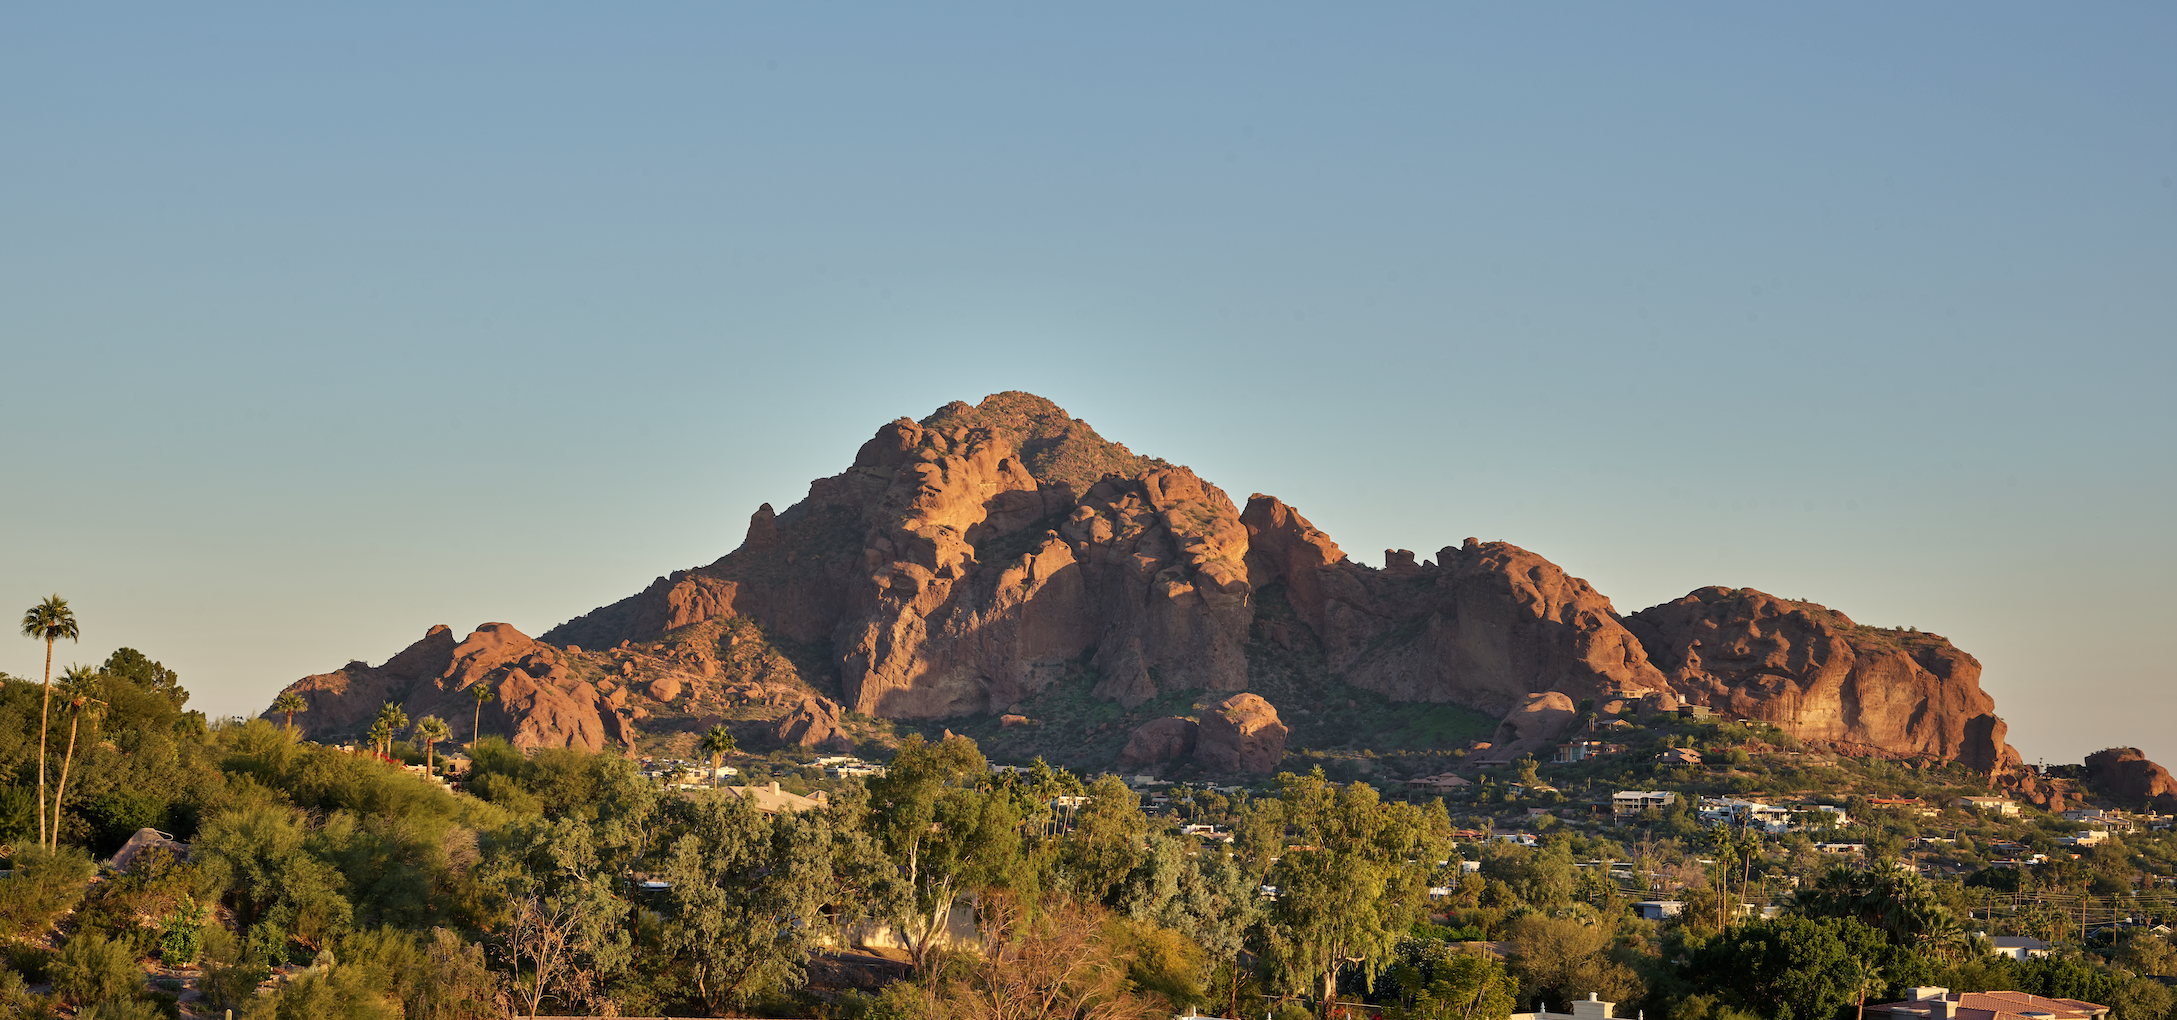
(322, 326)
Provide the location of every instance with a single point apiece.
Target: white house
(2019, 947)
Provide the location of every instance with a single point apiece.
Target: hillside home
(1680, 756)
(2018, 947)
(1695, 712)
(1943, 1004)
(1590, 1008)
(1581, 750)
(1438, 783)
(2003, 806)
(1627, 803)
(1905, 805)
(2114, 821)
(1656, 910)
(771, 800)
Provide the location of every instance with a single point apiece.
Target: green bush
(232, 987)
(123, 1009)
(92, 969)
(181, 933)
(34, 963)
(45, 886)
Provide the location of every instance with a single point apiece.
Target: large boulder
(1240, 734)
(1821, 677)
(814, 723)
(1158, 741)
(1540, 721)
(2125, 775)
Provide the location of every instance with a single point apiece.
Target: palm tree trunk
(43, 711)
(62, 790)
(476, 724)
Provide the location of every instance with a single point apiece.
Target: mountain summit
(993, 553)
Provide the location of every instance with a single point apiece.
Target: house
(1656, 910)
(1931, 1003)
(1696, 712)
(2019, 947)
(1907, 805)
(1590, 1008)
(1680, 756)
(1439, 783)
(2086, 837)
(771, 800)
(1515, 838)
(2114, 821)
(1580, 750)
(2003, 806)
(1627, 803)
(1841, 848)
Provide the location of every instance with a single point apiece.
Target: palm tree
(395, 720)
(431, 729)
(482, 693)
(381, 733)
(49, 620)
(290, 703)
(79, 686)
(716, 743)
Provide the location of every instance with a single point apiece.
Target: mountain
(1003, 559)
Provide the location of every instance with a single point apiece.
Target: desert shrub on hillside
(46, 885)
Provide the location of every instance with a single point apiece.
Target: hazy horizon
(322, 327)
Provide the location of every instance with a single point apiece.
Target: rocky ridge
(991, 556)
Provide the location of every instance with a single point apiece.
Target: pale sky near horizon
(322, 326)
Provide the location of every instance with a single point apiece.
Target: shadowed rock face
(1158, 741)
(2124, 774)
(1819, 676)
(968, 560)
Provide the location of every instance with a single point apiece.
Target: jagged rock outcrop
(1240, 734)
(814, 723)
(966, 562)
(962, 561)
(1158, 741)
(2125, 775)
(536, 702)
(1485, 625)
(1819, 676)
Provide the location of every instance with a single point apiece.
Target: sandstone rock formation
(963, 564)
(1240, 734)
(1821, 677)
(2125, 775)
(1541, 720)
(1484, 625)
(1162, 740)
(959, 562)
(536, 703)
(814, 723)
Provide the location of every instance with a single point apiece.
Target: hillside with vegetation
(286, 879)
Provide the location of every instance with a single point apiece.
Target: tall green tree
(395, 721)
(290, 703)
(80, 687)
(1890, 898)
(1345, 891)
(482, 693)
(431, 729)
(942, 833)
(747, 899)
(716, 745)
(48, 621)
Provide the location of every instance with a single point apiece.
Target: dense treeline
(569, 883)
